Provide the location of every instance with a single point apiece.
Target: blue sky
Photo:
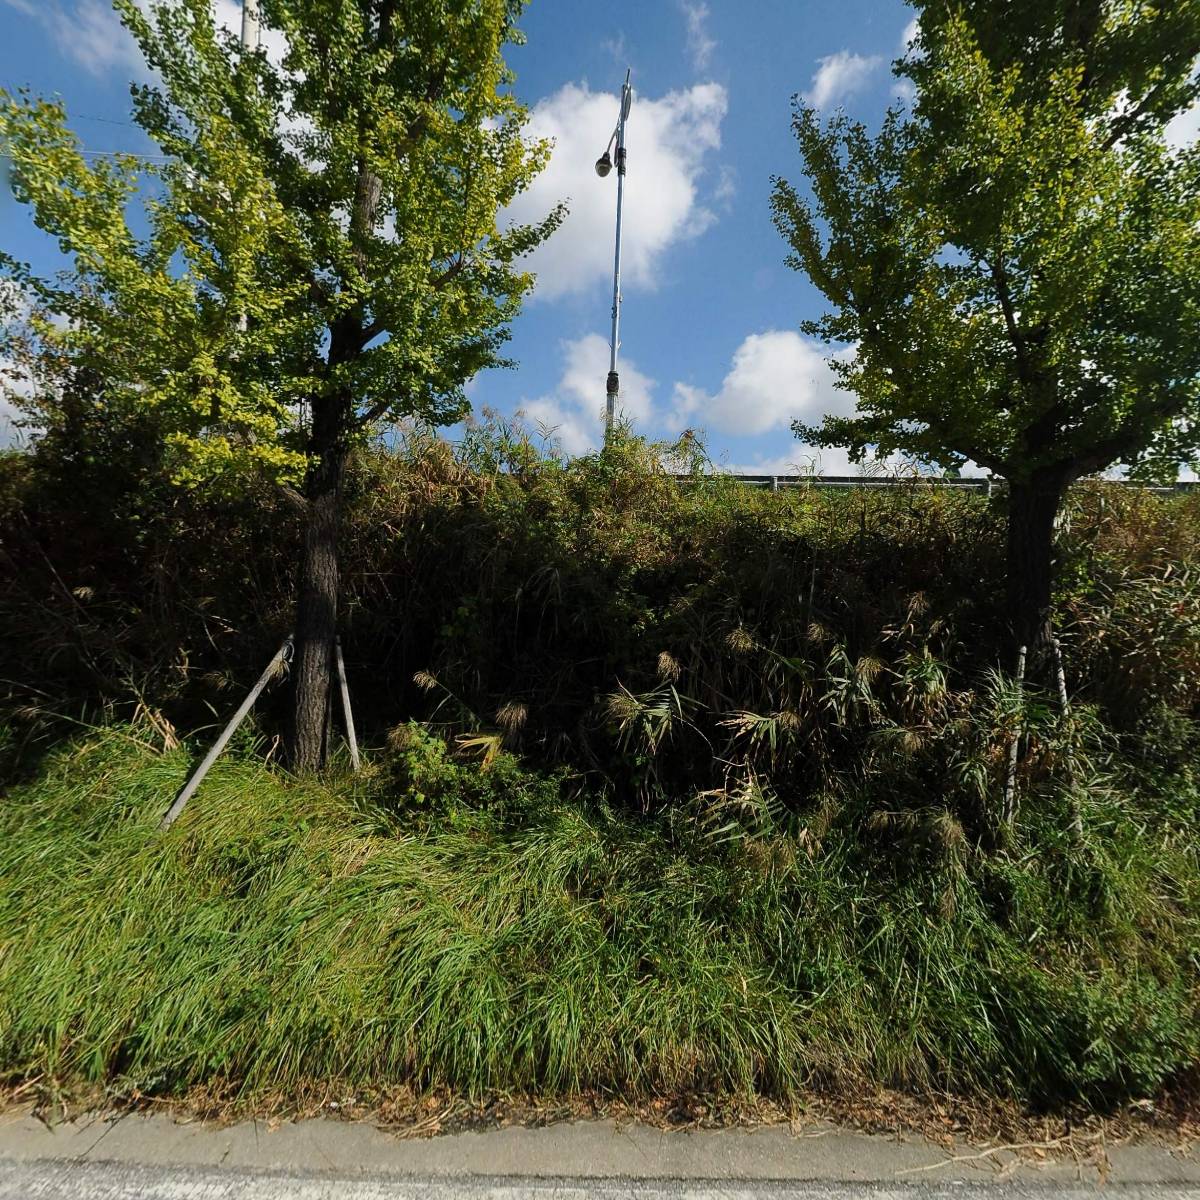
(710, 314)
(710, 317)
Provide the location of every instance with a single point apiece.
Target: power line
(105, 120)
(126, 154)
(110, 153)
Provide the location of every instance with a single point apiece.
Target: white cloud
(671, 141)
(775, 378)
(700, 45)
(98, 40)
(903, 89)
(575, 410)
(10, 435)
(795, 462)
(90, 32)
(815, 460)
(616, 47)
(726, 187)
(840, 76)
(15, 302)
(1184, 129)
(14, 384)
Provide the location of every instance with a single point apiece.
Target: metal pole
(1010, 780)
(250, 38)
(613, 385)
(189, 788)
(351, 738)
(250, 25)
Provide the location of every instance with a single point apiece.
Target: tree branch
(1000, 279)
(296, 503)
(1127, 120)
(371, 331)
(985, 460)
(374, 413)
(452, 271)
(1109, 450)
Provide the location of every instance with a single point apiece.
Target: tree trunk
(317, 602)
(332, 418)
(1032, 509)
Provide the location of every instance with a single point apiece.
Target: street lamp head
(604, 164)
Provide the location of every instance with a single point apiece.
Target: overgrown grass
(436, 924)
(754, 839)
(662, 640)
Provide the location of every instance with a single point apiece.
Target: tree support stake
(189, 788)
(1064, 702)
(351, 738)
(1010, 782)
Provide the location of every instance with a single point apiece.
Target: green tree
(1018, 264)
(319, 252)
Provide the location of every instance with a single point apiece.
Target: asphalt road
(58, 1180)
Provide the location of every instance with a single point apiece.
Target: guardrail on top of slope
(970, 484)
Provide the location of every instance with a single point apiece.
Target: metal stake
(1064, 704)
(351, 739)
(1010, 782)
(189, 788)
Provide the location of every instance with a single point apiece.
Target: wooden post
(345, 690)
(189, 788)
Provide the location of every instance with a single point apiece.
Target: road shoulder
(580, 1150)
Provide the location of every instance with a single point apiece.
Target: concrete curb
(584, 1150)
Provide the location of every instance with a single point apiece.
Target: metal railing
(986, 485)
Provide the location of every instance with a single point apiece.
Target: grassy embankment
(441, 926)
(740, 828)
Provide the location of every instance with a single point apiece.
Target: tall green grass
(437, 925)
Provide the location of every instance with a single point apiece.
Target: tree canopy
(324, 221)
(1016, 265)
(320, 248)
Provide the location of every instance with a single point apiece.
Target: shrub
(662, 641)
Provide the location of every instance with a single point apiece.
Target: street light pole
(249, 45)
(250, 25)
(603, 166)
